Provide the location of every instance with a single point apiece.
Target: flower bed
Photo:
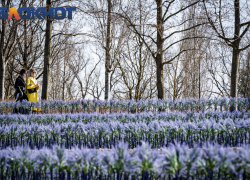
(130, 106)
(146, 117)
(67, 141)
(105, 134)
(175, 162)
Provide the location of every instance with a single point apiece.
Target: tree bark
(2, 77)
(139, 76)
(47, 55)
(107, 60)
(25, 56)
(2, 60)
(236, 52)
(7, 45)
(159, 56)
(64, 74)
(234, 72)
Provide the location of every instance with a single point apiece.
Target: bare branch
(227, 40)
(183, 30)
(245, 23)
(167, 8)
(172, 59)
(182, 9)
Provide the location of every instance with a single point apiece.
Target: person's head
(32, 73)
(23, 72)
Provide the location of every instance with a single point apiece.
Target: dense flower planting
(105, 134)
(128, 106)
(175, 162)
(66, 141)
(146, 117)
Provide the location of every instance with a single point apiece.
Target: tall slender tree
(232, 40)
(163, 15)
(47, 54)
(107, 49)
(7, 45)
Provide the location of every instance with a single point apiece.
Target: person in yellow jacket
(32, 87)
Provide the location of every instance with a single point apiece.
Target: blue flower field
(126, 139)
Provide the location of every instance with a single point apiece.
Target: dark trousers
(21, 111)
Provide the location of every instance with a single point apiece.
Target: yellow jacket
(32, 96)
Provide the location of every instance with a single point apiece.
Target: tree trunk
(236, 52)
(139, 75)
(2, 77)
(235, 57)
(64, 74)
(2, 61)
(107, 61)
(234, 72)
(159, 56)
(47, 55)
(25, 56)
(160, 81)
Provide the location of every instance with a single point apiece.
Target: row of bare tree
(131, 49)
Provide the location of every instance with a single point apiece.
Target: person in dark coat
(20, 86)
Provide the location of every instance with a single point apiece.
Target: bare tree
(244, 77)
(164, 15)
(133, 63)
(106, 35)
(47, 54)
(217, 15)
(107, 49)
(193, 64)
(96, 88)
(7, 44)
(217, 63)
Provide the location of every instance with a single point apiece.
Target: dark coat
(21, 83)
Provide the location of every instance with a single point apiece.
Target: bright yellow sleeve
(29, 82)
